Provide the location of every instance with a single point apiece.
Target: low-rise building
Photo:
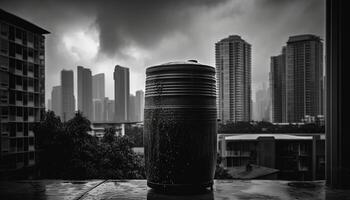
(297, 157)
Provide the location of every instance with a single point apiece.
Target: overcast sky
(136, 34)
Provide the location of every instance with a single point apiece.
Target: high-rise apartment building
(262, 104)
(98, 86)
(67, 98)
(121, 93)
(56, 100)
(98, 95)
(139, 105)
(297, 80)
(278, 87)
(233, 71)
(22, 90)
(304, 77)
(85, 92)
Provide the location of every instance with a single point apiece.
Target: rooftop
(276, 136)
(137, 189)
(13, 19)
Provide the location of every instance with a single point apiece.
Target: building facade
(121, 93)
(67, 97)
(233, 71)
(22, 90)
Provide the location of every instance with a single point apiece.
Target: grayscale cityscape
(173, 100)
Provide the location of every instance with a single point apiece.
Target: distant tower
(278, 87)
(67, 98)
(139, 105)
(304, 77)
(56, 100)
(98, 86)
(85, 91)
(98, 95)
(121, 93)
(233, 71)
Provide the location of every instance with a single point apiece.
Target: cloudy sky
(137, 34)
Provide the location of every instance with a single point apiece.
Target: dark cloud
(143, 23)
(166, 30)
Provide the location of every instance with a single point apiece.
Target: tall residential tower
(67, 98)
(233, 71)
(297, 80)
(85, 91)
(121, 93)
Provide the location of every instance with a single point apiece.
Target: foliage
(135, 134)
(68, 151)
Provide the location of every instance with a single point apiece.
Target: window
(4, 30)
(19, 112)
(4, 63)
(19, 80)
(4, 44)
(30, 53)
(19, 65)
(19, 34)
(11, 33)
(19, 127)
(30, 38)
(19, 96)
(4, 79)
(4, 97)
(18, 49)
(30, 68)
(12, 49)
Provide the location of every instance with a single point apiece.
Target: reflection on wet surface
(137, 189)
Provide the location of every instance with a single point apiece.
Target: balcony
(137, 189)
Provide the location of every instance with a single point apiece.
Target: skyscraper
(297, 80)
(262, 104)
(67, 98)
(139, 105)
(121, 93)
(233, 71)
(278, 87)
(98, 95)
(56, 100)
(22, 90)
(98, 86)
(85, 92)
(304, 77)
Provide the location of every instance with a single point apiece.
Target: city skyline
(86, 35)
